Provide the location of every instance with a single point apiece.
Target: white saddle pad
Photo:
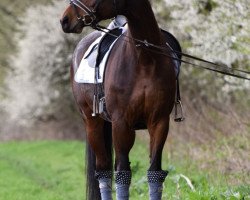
(86, 71)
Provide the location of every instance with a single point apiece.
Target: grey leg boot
(155, 182)
(105, 184)
(122, 183)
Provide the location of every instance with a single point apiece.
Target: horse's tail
(92, 186)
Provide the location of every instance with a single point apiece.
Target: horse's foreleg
(123, 141)
(156, 176)
(97, 133)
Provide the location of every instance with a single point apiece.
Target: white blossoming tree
(39, 85)
(39, 88)
(217, 31)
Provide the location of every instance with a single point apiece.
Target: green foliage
(205, 7)
(55, 170)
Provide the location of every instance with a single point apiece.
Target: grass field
(54, 170)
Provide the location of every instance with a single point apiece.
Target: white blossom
(218, 34)
(221, 35)
(41, 64)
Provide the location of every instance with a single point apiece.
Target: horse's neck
(141, 21)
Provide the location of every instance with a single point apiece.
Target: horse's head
(81, 13)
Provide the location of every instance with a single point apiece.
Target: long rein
(223, 69)
(91, 14)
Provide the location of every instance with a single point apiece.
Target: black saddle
(106, 42)
(109, 38)
(174, 44)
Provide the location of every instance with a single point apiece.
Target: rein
(211, 66)
(90, 20)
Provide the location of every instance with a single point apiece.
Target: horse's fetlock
(122, 183)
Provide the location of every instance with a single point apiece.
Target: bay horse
(139, 88)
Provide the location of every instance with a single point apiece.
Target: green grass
(54, 170)
(41, 170)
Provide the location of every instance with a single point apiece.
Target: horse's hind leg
(99, 138)
(156, 176)
(123, 138)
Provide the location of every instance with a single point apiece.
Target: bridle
(89, 19)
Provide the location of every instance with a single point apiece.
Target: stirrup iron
(95, 107)
(178, 115)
